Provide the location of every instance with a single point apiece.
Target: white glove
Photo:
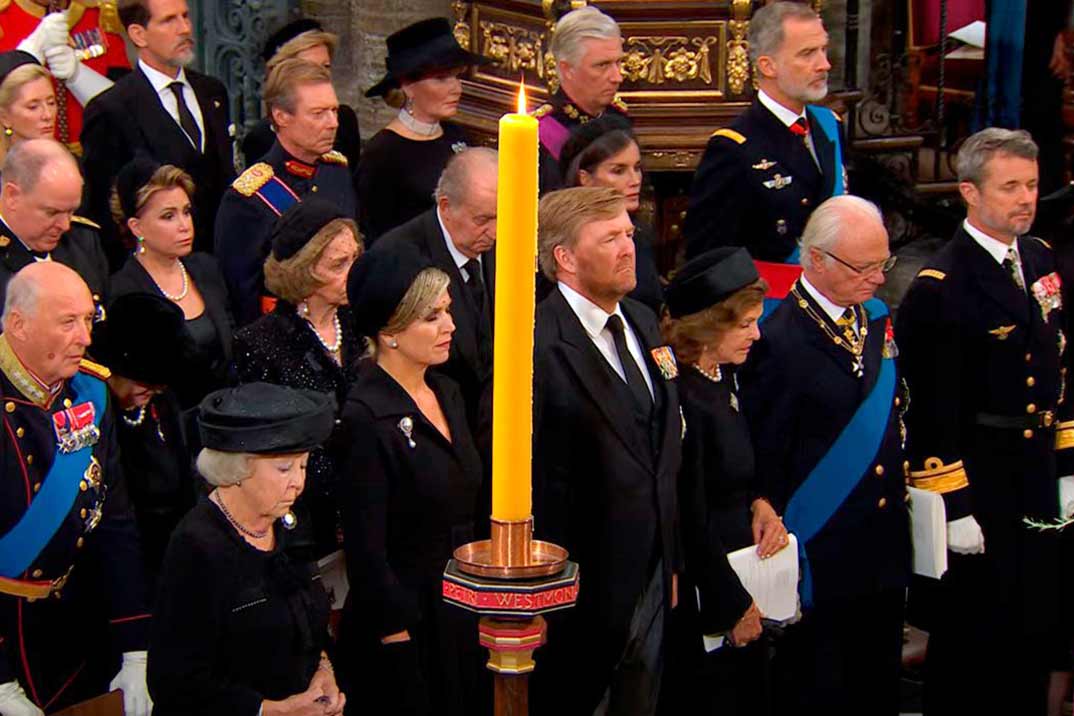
(964, 536)
(50, 32)
(62, 62)
(131, 681)
(13, 701)
(86, 83)
(1066, 497)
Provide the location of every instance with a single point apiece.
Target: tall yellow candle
(516, 265)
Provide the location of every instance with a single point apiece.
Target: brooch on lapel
(764, 165)
(1048, 292)
(890, 349)
(1001, 332)
(458, 147)
(781, 226)
(778, 182)
(665, 361)
(406, 427)
(74, 427)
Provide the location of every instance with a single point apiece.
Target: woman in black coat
(414, 477)
(151, 202)
(714, 303)
(308, 341)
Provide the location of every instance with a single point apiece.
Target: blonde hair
(167, 176)
(688, 336)
(418, 300)
(563, 213)
(280, 91)
(292, 279)
(222, 469)
(298, 44)
(12, 86)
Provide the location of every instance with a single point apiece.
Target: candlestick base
(512, 553)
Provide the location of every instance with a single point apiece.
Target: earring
(304, 309)
(393, 343)
(409, 106)
(8, 131)
(141, 244)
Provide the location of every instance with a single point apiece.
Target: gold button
(96, 298)
(1031, 408)
(37, 487)
(1029, 357)
(9, 407)
(898, 402)
(67, 402)
(313, 188)
(37, 574)
(29, 459)
(20, 432)
(883, 503)
(1031, 381)
(83, 485)
(1027, 434)
(82, 513)
(879, 470)
(805, 202)
(79, 542)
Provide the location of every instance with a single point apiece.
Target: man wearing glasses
(982, 352)
(825, 407)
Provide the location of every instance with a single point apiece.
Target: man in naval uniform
(40, 191)
(761, 178)
(302, 105)
(72, 596)
(588, 47)
(983, 352)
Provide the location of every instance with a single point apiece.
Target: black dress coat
(128, 120)
(234, 625)
(212, 372)
(603, 487)
(730, 204)
(79, 249)
(408, 504)
(281, 348)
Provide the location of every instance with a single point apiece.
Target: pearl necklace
(135, 422)
(714, 377)
(334, 347)
(415, 125)
(235, 523)
(186, 285)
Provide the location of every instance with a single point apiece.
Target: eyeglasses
(883, 266)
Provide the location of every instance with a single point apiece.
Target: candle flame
(521, 97)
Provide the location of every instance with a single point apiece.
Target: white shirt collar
(787, 116)
(159, 80)
(996, 248)
(833, 311)
(593, 317)
(457, 256)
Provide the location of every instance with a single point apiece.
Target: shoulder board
(253, 179)
(95, 369)
(3, 6)
(620, 105)
(542, 110)
(730, 134)
(334, 157)
(110, 21)
(931, 273)
(1042, 241)
(86, 222)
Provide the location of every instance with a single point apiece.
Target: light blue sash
(830, 126)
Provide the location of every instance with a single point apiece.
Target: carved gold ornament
(738, 56)
(462, 24)
(513, 48)
(660, 59)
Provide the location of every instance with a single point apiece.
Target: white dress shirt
(457, 256)
(789, 117)
(833, 311)
(594, 320)
(996, 248)
(160, 82)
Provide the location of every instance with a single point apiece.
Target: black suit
(799, 392)
(603, 487)
(975, 348)
(128, 120)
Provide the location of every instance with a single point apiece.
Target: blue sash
(277, 195)
(837, 474)
(49, 508)
(830, 126)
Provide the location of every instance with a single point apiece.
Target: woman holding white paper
(714, 303)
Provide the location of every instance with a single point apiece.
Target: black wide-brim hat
(263, 418)
(709, 278)
(145, 339)
(419, 48)
(11, 60)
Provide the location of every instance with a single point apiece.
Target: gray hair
(457, 177)
(22, 293)
(831, 219)
(223, 469)
(26, 161)
(766, 26)
(979, 148)
(585, 23)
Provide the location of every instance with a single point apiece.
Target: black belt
(1035, 421)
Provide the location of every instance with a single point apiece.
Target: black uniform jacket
(756, 186)
(798, 393)
(564, 111)
(983, 361)
(129, 120)
(603, 487)
(79, 248)
(244, 224)
(94, 553)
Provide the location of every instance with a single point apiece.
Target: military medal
(764, 165)
(406, 426)
(75, 428)
(778, 182)
(665, 361)
(890, 349)
(1048, 292)
(289, 521)
(851, 341)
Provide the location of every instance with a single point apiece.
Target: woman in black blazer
(153, 203)
(308, 341)
(413, 481)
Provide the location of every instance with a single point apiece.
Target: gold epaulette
(931, 273)
(86, 222)
(542, 110)
(620, 105)
(937, 477)
(1064, 435)
(95, 369)
(334, 157)
(1035, 238)
(253, 179)
(730, 134)
(3, 6)
(110, 17)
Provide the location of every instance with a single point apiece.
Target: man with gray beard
(162, 110)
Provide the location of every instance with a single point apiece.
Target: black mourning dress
(233, 625)
(397, 177)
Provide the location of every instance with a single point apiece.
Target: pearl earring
(8, 131)
(393, 343)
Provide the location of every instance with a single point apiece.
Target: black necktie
(186, 119)
(475, 283)
(634, 379)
